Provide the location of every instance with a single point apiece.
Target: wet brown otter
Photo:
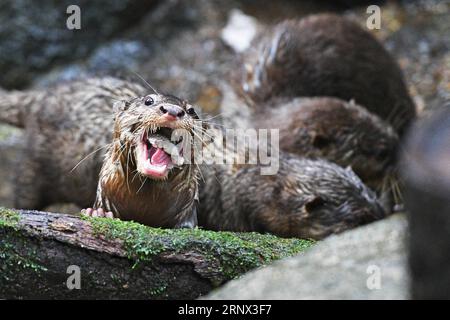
(339, 131)
(325, 55)
(305, 199)
(322, 127)
(68, 128)
(142, 178)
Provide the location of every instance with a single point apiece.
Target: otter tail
(14, 106)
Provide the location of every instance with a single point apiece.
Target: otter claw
(90, 212)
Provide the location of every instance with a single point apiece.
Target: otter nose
(172, 110)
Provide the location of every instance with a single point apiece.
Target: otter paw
(90, 212)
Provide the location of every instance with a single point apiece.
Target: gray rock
(239, 31)
(176, 47)
(118, 57)
(34, 35)
(341, 267)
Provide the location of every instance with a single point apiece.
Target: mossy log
(119, 259)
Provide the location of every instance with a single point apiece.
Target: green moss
(8, 218)
(235, 253)
(158, 291)
(9, 258)
(12, 262)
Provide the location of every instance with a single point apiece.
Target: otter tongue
(160, 158)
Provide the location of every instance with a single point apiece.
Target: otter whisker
(202, 129)
(200, 125)
(122, 149)
(90, 154)
(200, 171)
(392, 189)
(213, 124)
(214, 117)
(204, 133)
(392, 112)
(146, 82)
(199, 137)
(136, 174)
(127, 169)
(141, 185)
(398, 190)
(196, 164)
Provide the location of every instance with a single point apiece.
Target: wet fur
(342, 132)
(325, 55)
(322, 127)
(168, 202)
(64, 125)
(306, 199)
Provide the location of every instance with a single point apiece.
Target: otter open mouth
(159, 151)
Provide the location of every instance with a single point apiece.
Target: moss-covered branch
(119, 259)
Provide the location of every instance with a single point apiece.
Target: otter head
(342, 132)
(155, 134)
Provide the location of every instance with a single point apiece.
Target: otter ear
(120, 106)
(314, 204)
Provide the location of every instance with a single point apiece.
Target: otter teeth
(168, 147)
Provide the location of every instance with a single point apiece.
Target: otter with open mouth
(143, 177)
(109, 135)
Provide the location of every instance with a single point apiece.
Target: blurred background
(180, 47)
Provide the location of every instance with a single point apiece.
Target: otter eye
(190, 111)
(149, 101)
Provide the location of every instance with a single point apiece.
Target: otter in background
(324, 128)
(336, 130)
(324, 55)
(332, 90)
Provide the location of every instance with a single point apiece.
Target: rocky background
(179, 46)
